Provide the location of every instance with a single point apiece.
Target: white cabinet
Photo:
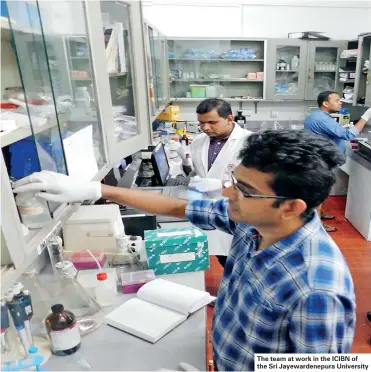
(77, 73)
(362, 87)
(286, 72)
(299, 69)
(358, 208)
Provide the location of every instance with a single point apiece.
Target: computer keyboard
(179, 181)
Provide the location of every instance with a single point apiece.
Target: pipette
(4, 327)
(19, 316)
(24, 300)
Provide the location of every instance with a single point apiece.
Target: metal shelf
(35, 246)
(7, 138)
(116, 74)
(186, 99)
(237, 80)
(216, 60)
(287, 70)
(5, 28)
(81, 79)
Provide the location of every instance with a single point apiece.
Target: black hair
(323, 96)
(223, 108)
(302, 163)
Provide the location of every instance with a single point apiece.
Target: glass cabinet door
(286, 71)
(42, 148)
(59, 89)
(119, 51)
(67, 47)
(153, 49)
(323, 67)
(165, 73)
(159, 84)
(157, 68)
(149, 70)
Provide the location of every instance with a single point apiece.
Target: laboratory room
(185, 185)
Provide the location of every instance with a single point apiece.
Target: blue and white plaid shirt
(296, 296)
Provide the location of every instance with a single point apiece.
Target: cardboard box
(171, 113)
(177, 250)
(251, 75)
(260, 75)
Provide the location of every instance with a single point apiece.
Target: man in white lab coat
(215, 155)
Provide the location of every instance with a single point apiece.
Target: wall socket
(274, 114)
(247, 113)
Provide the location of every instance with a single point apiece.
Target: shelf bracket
(256, 106)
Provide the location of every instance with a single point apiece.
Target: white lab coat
(227, 160)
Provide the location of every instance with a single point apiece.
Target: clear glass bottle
(55, 250)
(34, 211)
(69, 291)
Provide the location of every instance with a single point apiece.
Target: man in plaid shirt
(286, 287)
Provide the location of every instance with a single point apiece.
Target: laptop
(161, 168)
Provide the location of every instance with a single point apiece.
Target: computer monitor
(160, 164)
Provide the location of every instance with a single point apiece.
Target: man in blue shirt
(322, 123)
(286, 287)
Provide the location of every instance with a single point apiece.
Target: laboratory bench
(110, 349)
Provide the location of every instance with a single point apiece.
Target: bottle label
(31, 210)
(240, 121)
(66, 339)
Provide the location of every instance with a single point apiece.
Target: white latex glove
(367, 115)
(205, 184)
(56, 187)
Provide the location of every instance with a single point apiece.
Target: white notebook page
(145, 320)
(174, 296)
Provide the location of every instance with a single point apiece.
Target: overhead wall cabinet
(362, 87)
(286, 70)
(77, 102)
(157, 68)
(300, 69)
(323, 67)
(210, 67)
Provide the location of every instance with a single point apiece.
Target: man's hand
(367, 115)
(56, 187)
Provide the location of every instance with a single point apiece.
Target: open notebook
(160, 306)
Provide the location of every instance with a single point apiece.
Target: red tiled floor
(357, 252)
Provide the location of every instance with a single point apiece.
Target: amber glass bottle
(63, 331)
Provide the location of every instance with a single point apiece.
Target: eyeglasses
(245, 194)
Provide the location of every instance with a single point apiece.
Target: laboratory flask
(73, 296)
